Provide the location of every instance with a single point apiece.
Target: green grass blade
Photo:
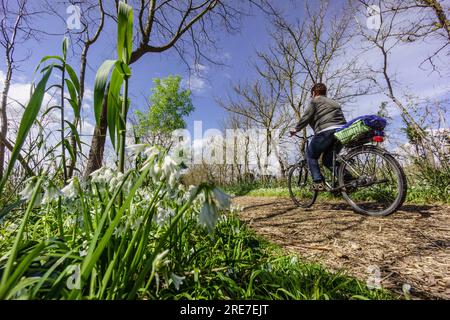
(18, 240)
(99, 87)
(73, 78)
(28, 118)
(124, 32)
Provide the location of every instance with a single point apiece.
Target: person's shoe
(318, 186)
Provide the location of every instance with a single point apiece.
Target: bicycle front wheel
(300, 186)
(377, 186)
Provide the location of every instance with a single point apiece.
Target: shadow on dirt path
(410, 247)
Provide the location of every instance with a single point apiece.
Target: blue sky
(237, 51)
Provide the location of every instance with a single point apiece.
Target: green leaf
(124, 32)
(123, 68)
(70, 149)
(50, 109)
(28, 118)
(45, 59)
(99, 87)
(65, 43)
(114, 102)
(73, 77)
(75, 133)
(7, 279)
(73, 98)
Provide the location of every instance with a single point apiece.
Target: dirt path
(410, 247)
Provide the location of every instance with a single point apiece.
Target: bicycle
(377, 186)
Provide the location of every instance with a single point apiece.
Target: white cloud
(18, 96)
(197, 84)
(88, 95)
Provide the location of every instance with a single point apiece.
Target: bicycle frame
(334, 177)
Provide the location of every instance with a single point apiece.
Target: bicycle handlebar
(300, 137)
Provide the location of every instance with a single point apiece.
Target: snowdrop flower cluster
(110, 178)
(136, 149)
(163, 216)
(27, 192)
(70, 191)
(165, 171)
(115, 181)
(102, 175)
(160, 260)
(51, 193)
(236, 208)
(70, 222)
(212, 202)
(119, 230)
(84, 249)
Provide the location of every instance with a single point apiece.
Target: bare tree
(186, 26)
(419, 20)
(15, 30)
(388, 37)
(302, 53)
(87, 38)
(319, 45)
(260, 101)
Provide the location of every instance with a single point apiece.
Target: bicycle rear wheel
(300, 186)
(378, 186)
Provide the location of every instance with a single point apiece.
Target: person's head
(319, 89)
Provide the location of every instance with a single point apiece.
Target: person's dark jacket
(321, 114)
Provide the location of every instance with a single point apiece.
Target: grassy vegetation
(417, 193)
(151, 249)
(233, 263)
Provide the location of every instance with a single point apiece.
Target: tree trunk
(4, 117)
(73, 141)
(98, 141)
(22, 161)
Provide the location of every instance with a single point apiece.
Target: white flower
(69, 222)
(119, 231)
(151, 152)
(115, 181)
(236, 208)
(70, 191)
(173, 179)
(102, 175)
(294, 260)
(136, 223)
(27, 192)
(177, 280)
(135, 149)
(169, 166)
(159, 260)
(51, 194)
(222, 199)
(11, 227)
(208, 216)
(162, 216)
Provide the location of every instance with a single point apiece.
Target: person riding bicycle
(324, 115)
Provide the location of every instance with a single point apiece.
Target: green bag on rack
(353, 132)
